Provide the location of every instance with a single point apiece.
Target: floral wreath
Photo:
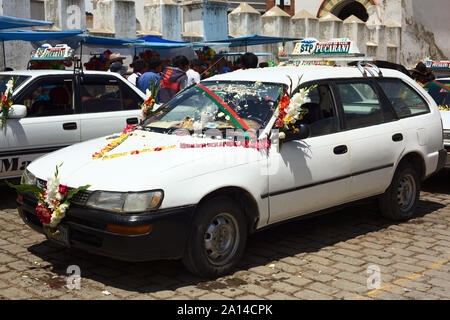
(53, 201)
(6, 101)
(289, 111)
(150, 95)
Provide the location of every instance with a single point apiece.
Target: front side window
(404, 99)
(361, 105)
(219, 105)
(50, 98)
(100, 96)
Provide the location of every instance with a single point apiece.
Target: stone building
(403, 31)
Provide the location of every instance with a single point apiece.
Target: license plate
(61, 236)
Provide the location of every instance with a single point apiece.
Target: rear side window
(361, 105)
(404, 99)
(131, 100)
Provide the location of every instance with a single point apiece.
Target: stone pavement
(349, 254)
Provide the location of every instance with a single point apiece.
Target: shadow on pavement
(285, 240)
(439, 183)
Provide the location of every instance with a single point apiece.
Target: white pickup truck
(55, 108)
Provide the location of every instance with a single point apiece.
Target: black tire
(217, 240)
(400, 200)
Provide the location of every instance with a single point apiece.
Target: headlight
(126, 202)
(28, 178)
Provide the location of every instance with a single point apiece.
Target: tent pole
(4, 55)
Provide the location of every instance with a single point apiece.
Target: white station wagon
(56, 108)
(197, 177)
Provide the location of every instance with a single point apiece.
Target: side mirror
(304, 131)
(17, 111)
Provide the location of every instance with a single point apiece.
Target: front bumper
(87, 230)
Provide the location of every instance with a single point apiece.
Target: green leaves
(73, 192)
(26, 188)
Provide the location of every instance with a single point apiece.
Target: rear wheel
(401, 198)
(217, 240)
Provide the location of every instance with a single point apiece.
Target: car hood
(143, 161)
(445, 119)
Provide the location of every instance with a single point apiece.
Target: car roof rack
(363, 67)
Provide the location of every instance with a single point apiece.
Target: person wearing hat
(116, 64)
(422, 74)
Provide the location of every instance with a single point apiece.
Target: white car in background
(439, 90)
(168, 191)
(54, 109)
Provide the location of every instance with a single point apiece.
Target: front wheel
(401, 198)
(217, 240)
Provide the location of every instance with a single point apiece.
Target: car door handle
(340, 149)
(70, 126)
(397, 137)
(132, 121)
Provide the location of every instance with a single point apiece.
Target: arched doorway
(345, 8)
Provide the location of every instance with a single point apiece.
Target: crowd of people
(184, 73)
(172, 79)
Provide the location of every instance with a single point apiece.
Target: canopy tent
(252, 40)
(7, 22)
(156, 39)
(154, 42)
(234, 54)
(166, 48)
(27, 35)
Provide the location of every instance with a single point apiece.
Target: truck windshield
(218, 105)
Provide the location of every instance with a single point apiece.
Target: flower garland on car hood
(115, 143)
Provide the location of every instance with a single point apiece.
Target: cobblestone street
(326, 257)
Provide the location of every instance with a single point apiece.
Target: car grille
(80, 198)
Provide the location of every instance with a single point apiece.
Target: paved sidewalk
(335, 256)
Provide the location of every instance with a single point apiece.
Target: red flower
(44, 215)
(279, 123)
(284, 102)
(129, 128)
(63, 189)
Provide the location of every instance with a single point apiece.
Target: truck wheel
(217, 240)
(401, 198)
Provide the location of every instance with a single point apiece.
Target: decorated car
(234, 154)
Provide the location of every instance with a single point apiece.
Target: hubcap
(221, 239)
(406, 193)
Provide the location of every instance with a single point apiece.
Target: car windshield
(4, 78)
(218, 105)
(439, 90)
